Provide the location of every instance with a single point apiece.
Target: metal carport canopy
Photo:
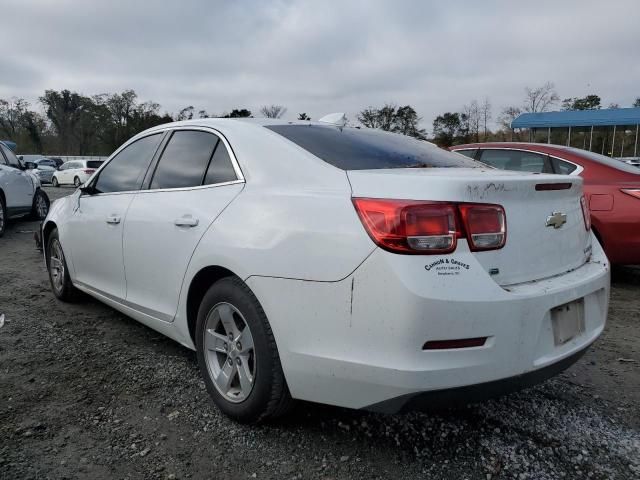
(579, 118)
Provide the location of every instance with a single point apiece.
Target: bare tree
(273, 111)
(508, 115)
(540, 99)
(185, 114)
(304, 116)
(485, 113)
(471, 116)
(203, 114)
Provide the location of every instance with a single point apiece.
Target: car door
(16, 183)
(94, 232)
(195, 178)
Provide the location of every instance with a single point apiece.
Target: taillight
(485, 226)
(634, 192)
(89, 171)
(586, 214)
(417, 227)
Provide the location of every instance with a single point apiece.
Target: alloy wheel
(56, 265)
(41, 206)
(229, 352)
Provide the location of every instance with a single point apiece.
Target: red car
(612, 187)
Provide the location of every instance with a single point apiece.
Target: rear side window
(562, 167)
(368, 148)
(94, 163)
(185, 160)
(516, 160)
(467, 153)
(126, 170)
(220, 169)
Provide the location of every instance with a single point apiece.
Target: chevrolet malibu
(346, 266)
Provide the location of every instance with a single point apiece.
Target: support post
(569, 138)
(549, 135)
(613, 140)
(635, 147)
(591, 138)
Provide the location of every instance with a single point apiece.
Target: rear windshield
(368, 148)
(608, 161)
(94, 163)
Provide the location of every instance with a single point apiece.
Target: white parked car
(20, 192)
(75, 172)
(346, 266)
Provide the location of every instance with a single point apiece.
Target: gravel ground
(88, 393)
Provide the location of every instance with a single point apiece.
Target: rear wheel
(238, 356)
(76, 182)
(54, 182)
(3, 215)
(61, 284)
(40, 206)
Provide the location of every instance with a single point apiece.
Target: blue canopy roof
(579, 118)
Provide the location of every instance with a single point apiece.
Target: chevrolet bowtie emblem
(556, 220)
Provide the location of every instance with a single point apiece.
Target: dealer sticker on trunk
(447, 266)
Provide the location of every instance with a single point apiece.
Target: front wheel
(54, 182)
(59, 277)
(40, 207)
(237, 354)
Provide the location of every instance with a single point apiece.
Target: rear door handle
(186, 221)
(113, 219)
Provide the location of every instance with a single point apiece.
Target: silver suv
(20, 192)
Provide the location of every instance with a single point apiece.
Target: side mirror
(21, 157)
(87, 190)
(30, 165)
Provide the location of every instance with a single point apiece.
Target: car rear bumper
(460, 396)
(358, 342)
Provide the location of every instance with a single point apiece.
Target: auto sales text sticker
(447, 266)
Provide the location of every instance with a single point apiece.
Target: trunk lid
(533, 250)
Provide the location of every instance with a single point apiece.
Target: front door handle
(113, 219)
(186, 221)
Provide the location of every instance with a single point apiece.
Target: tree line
(76, 124)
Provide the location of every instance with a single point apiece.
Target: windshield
(94, 164)
(369, 148)
(608, 161)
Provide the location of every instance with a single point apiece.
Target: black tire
(76, 182)
(3, 216)
(39, 212)
(63, 290)
(54, 182)
(269, 396)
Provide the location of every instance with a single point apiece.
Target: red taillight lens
(485, 226)
(586, 214)
(89, 171)
(406, 226)
(416, 227)
(634, 192)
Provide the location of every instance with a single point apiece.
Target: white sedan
(346, 266)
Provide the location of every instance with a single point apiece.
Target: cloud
(321, 57)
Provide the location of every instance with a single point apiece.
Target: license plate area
(567, 321)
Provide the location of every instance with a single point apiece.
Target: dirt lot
(88, 393)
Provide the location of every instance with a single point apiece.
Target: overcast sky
(321, 56)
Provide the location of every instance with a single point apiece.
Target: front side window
(185, 160)
(10, 156)
(126, 170)
(369, 148)
(516, 160)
